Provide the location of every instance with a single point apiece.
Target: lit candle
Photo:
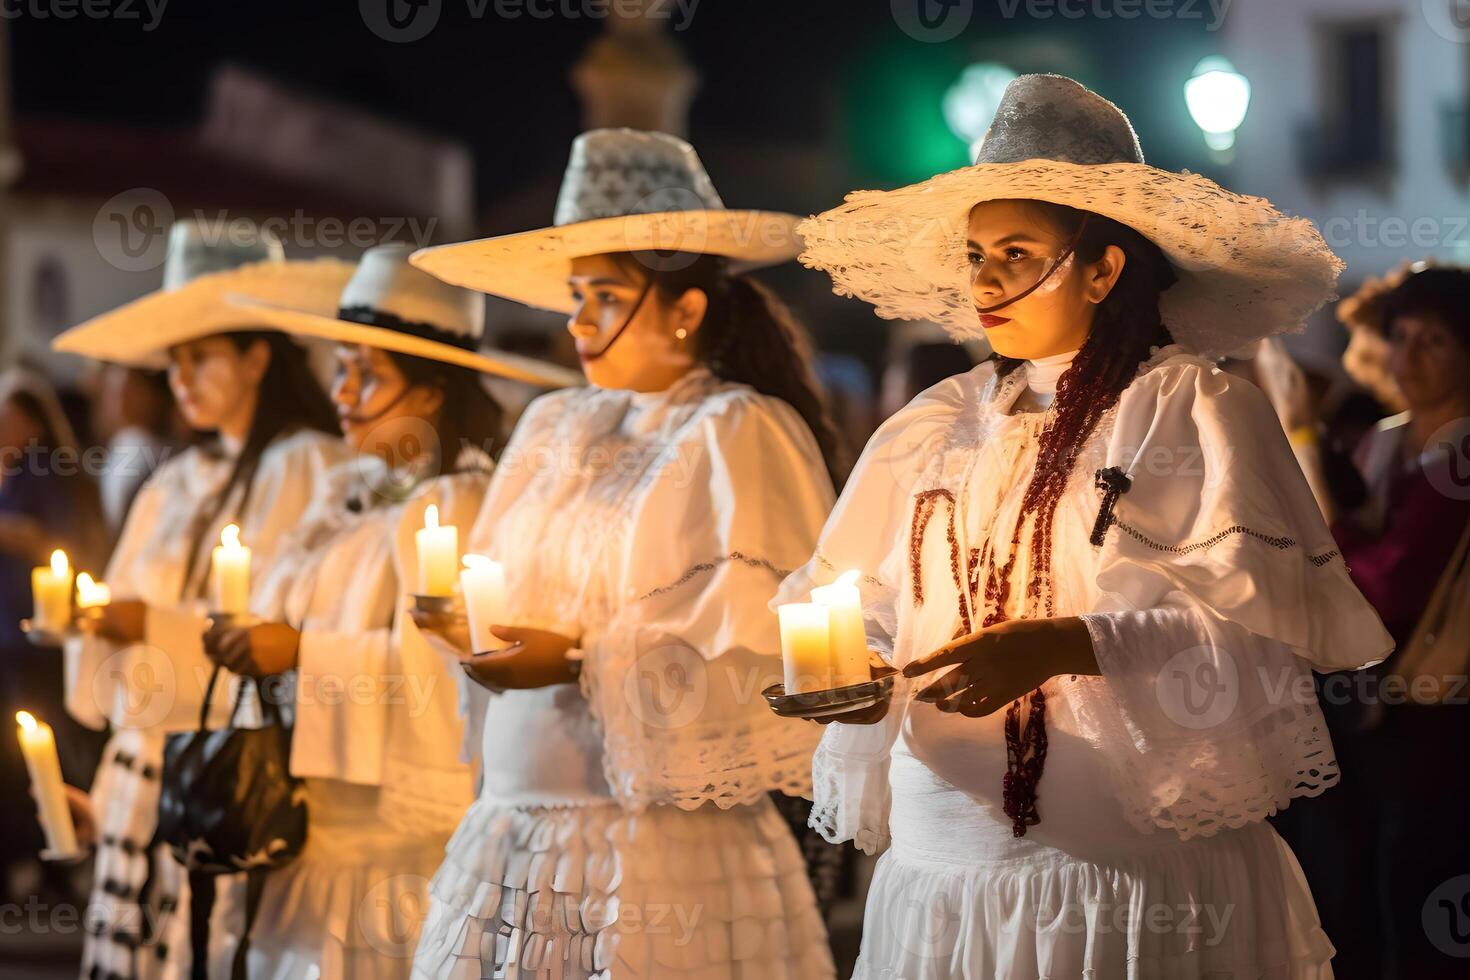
(38, 745)
(438, 549)
(91, 594)
(848, 653)
(230, 573)
(51, 594)
(805, 644)
(483, 583)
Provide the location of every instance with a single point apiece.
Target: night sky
(836, 73)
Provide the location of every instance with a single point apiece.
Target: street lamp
(970, 103)
(1217, 96)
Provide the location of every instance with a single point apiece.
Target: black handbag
(228, 801)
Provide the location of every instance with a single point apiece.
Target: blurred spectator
(134, 414)
(848, 387)
(917, 368)
(47, 501)
(1376, 848)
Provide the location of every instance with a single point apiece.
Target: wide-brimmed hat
(204, 264)
(1245, 270)
(625, 190)
(386, 303)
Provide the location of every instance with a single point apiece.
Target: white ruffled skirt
(351, 905)
(592, 891)
(956, 896)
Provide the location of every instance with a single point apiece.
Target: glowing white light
(970, 103)
(1218, 97)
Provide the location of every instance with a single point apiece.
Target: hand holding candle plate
(533, 658)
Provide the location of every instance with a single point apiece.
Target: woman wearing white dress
(1097, 566)
(376, 736)
(144, 670)
(624, 828)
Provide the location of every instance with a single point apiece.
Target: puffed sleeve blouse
(656, 527)
(1215, 566)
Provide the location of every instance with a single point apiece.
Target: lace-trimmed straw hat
(203, 265)
(386, 303)
(625, 190)
(1245, 271)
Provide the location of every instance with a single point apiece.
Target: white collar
(1043, 372)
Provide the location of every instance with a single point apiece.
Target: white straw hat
(1245, 271)
(388, 304)
(204, 264)
(625, 190)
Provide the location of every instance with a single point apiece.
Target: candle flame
(85, 584)
(59, 564)
(476, 561)
(431, 516)
(26, 720)
(849, 577)
(229, 538)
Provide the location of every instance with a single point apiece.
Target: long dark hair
(290, 398)
(750, 337)
(469, 416)
(1126, 326)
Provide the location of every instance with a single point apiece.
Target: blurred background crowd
(436, 121)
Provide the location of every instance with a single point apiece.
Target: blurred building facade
(86, 214)
(1359, 122)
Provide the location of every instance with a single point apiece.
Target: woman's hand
(448, 633)
(83, 817)
(262, 650)
(535, 658)
(1004, 662)
(121, 621)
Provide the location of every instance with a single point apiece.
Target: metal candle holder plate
(834, 701)
(433, 605)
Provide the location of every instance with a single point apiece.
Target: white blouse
(159, 684)
(1215, 592)
(374, 705)
(655, 527)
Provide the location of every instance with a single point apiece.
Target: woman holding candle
(377, 738)
(623, 827)
(1095, 562)
(268, 448)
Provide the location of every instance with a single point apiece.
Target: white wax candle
(230, 573)
(483, 583)
(51, 594)
(805, 643)
(91, 594)
(849, 639)
(438, 549)
(38, 745)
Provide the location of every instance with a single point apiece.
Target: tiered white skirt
(592, 891)
(350, 906)
(957, 897)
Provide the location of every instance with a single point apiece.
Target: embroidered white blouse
(159, 684)
(655, 527)
(374, 705)
(1215, 592)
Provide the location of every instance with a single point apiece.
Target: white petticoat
(593, 891)
(351, 905)
(955, 899)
